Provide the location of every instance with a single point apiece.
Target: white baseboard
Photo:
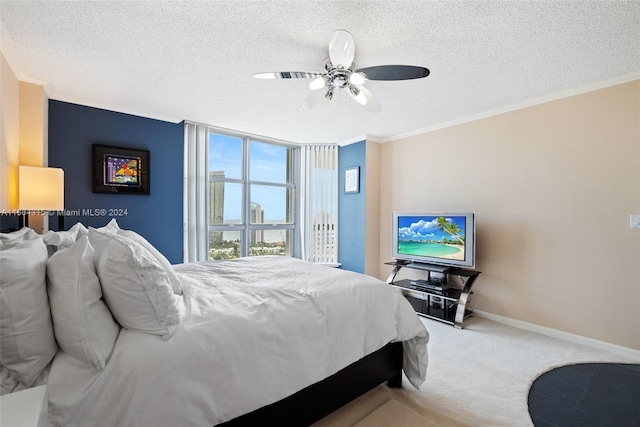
(566, 336)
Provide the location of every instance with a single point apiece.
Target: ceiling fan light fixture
(356, 78)
(358, 95)
(317, 83)
(338, 81)
(340, 72)
(329, 94)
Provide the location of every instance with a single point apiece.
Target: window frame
(246, 227)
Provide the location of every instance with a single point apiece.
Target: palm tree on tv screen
(450, 227)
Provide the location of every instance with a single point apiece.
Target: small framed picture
(120, 170)
(352, 180)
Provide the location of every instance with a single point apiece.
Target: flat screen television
(445, 239)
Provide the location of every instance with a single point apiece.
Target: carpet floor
(588, 394)
(478, 376)
(393, 413)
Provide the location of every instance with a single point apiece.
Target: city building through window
(251, 197)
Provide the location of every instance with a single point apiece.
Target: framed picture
(352, 180)
(120, 170)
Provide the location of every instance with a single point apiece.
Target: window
(255, 196)
(251, 197)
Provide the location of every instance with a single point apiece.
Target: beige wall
(372, 206)
(34, 115)
(24, 136)
(552, 186)
(10, 136)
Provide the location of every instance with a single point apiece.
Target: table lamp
(40, 189)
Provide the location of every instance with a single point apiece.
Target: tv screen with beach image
(432, 236)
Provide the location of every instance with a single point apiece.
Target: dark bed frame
(320, 399)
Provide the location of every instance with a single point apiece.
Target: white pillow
(25, 233)
(135, 286)
(8, 384)
(27, 344)
(113, 226)
(83, 325)
(57, 240)
(162, 260)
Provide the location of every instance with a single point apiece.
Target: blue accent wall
(158, 216)
(351, 209)
(9, 222)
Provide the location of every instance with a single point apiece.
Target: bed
(259, 340)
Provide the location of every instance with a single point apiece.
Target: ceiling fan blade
(342, 49)
(287, 75)
(364, 97)
(316, 98)
(394, 72)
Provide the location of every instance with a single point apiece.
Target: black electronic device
(423, 285)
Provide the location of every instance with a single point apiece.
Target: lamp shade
(40, 189)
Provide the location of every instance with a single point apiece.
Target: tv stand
(427, 267)
(434, 298)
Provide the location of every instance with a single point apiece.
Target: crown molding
(360, 138)
(352, 140)
(46, 85)
(525, 104)
(114, 107)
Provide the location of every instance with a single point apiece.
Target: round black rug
(587, 394)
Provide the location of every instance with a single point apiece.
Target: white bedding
(253, 331)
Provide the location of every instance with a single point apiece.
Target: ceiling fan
(340, 73)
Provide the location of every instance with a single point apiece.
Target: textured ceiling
(195, 60)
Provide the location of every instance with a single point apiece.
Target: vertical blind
(196, 226)
(320, 204)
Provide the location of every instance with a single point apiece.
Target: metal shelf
(448, 305)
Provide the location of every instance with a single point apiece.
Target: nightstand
(25, 408)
